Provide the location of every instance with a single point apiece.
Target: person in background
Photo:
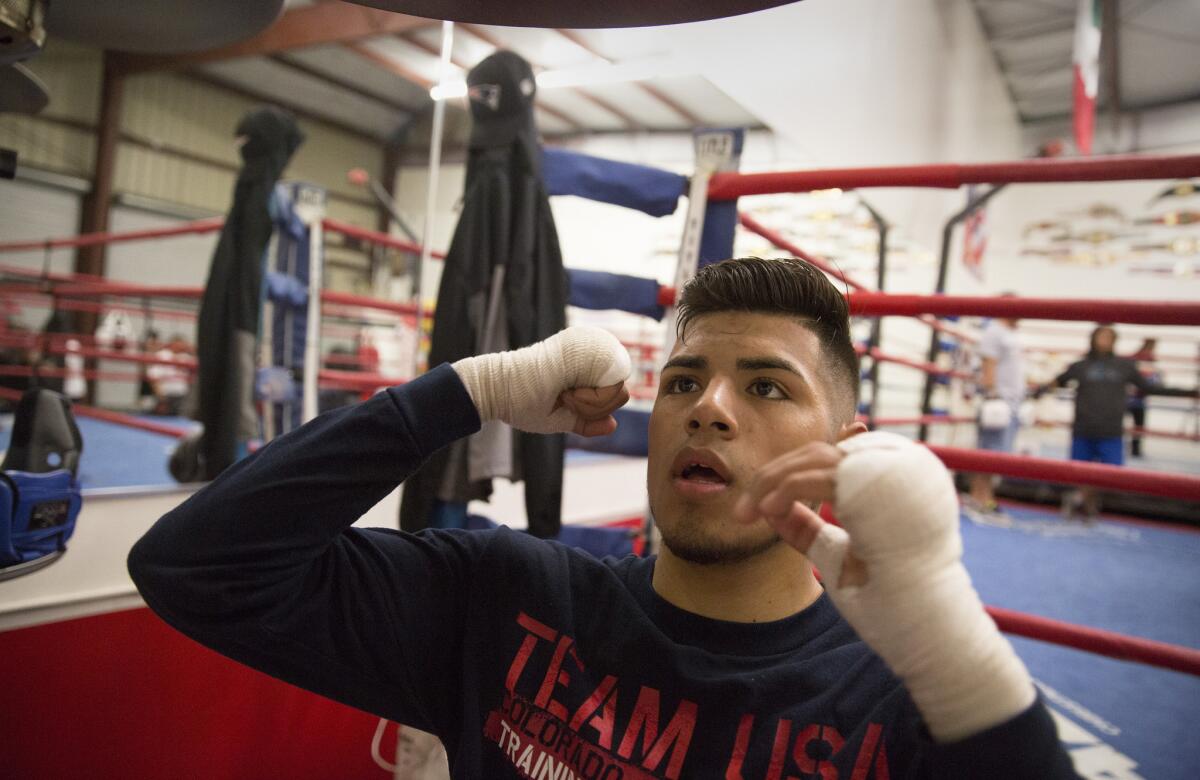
(170, 380)
(367, 359)
(1137, 400)
(1002, 384)
(1102, 380)
(147, 399)
(338, 358)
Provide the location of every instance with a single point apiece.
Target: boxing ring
(1123, 591)
(1050, 588)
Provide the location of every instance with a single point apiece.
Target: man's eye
(681, 384)
(765, 388)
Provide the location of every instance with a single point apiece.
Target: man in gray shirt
(1001, 378)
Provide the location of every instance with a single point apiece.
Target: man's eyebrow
(768, 364)
(693, 362)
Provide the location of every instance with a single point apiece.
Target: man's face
(1105, 339)
(744, 389)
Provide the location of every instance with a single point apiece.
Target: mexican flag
(1087, 72)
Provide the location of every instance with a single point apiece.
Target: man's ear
(851, 429)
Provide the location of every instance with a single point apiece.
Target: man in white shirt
(1002, 385)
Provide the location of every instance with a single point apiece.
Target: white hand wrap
(522, 387)
(918, 609)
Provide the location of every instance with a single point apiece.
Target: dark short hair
(785, 286)
(1100, 328)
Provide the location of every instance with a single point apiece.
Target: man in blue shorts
(1102, 381)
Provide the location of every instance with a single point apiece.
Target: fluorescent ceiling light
(587, 75)
(449, 90)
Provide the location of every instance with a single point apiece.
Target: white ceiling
(365, 83)
(1031, 39)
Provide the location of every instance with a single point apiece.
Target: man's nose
(714, 410)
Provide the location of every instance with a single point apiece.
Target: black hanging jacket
(227, 330)
(503, 287)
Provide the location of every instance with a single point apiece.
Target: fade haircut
(788, 287)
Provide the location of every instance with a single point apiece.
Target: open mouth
(698, 472)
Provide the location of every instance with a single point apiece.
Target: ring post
(310, 207)
(431, 190)
(876, 338)
(943, 273)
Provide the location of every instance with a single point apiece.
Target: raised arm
(262, 565)
(1148, 387)
(894, 569)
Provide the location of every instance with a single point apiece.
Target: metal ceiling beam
(429, 48)
(310, 25)
(97, 203)
(281, 100)
(390, 64)
(1039, 30)
(344, 85)
(400, 69)
(603, 104)
(654, 131)
(1047, 63)
(492, 41)
(1128, 108)
(997, 59)
(1110, 41)
(626, 118)
(653, 91)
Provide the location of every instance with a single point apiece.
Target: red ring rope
(928, 419)
(375, 237)
(127, 420)
(186, 363)
(728, 186)
(49, 301)
(754, 226)
(32, 273)
(1098, 641)
(356, 380)
(1101, 475)
(1144, 312)
(920, 365)
(92, 239)
(1154, 432)
(362, 302)
(64, 373)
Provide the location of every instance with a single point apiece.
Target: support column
(96, 204)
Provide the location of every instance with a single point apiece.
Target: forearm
(260, 526)
(1176, 392)
(1025, 747)
(916, 606)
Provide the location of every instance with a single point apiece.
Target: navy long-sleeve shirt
(527, 658)
(1102, 383)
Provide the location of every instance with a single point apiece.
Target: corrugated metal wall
(182, 113)
(72, 76)
(177, 146)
